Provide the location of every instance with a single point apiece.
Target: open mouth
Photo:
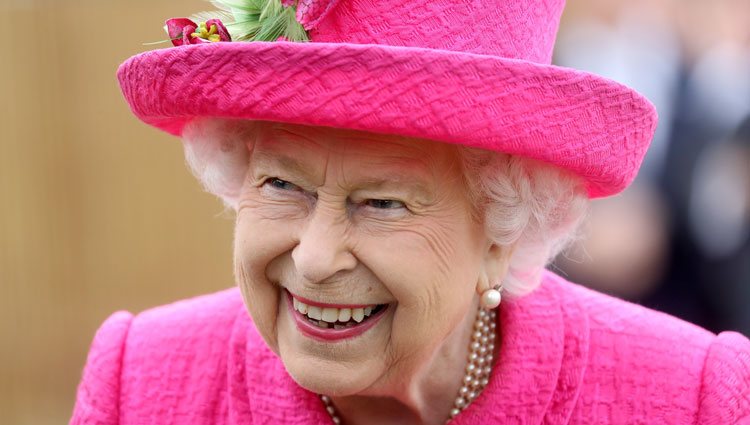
(341, 320)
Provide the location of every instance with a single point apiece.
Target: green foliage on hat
(257, 20)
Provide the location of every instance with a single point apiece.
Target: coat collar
(542, 359)
(541, 363)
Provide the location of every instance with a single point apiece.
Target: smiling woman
(400, 183)
(361, 256)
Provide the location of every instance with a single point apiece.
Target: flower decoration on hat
(184, 31)
(239, 20)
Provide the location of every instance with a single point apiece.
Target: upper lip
(329, 305)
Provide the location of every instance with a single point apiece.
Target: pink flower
(179, 30)
(184, 31)
(220, 30)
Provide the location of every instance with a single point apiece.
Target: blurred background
(98, 212)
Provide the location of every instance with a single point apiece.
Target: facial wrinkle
(437, 239)
(303, 137)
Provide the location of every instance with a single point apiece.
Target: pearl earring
(491, 297)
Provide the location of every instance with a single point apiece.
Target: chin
(342, 367)
(334, 369)
(328, 377)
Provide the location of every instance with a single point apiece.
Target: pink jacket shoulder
(98, 397)
(644, 366)
(725, 392)
(174, 355)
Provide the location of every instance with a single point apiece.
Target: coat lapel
(262, 392)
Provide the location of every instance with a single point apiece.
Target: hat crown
(507, 28)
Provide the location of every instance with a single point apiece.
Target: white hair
(532, 206)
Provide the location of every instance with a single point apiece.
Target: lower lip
(331, 334)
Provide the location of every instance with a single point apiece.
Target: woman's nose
(323, 248)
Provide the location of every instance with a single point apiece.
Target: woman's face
(351, 223)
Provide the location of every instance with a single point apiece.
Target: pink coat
(568, 356)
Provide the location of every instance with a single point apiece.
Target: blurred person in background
(717, 218)
(677, 249)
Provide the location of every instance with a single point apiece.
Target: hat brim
(592, 126)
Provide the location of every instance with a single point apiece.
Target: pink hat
(469, 72)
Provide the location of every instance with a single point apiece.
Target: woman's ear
(495, 266)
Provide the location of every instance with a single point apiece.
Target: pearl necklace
(478, 368)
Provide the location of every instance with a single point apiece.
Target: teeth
(323, 316)
(314, 312)
(358, 314)
(345, 314)
(330, 315)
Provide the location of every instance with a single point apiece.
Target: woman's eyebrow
(414, 182)
(286, 162)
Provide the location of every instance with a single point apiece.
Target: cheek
(264, 230)
(423, 264)
(431, 270)
(258, 241)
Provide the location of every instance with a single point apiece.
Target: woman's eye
(385, 204)
(281, 184)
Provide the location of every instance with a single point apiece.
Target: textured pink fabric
(510, 29)
(311, 12)
(458, 71)
(568, 356)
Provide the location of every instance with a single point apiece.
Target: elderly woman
(399, 184)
